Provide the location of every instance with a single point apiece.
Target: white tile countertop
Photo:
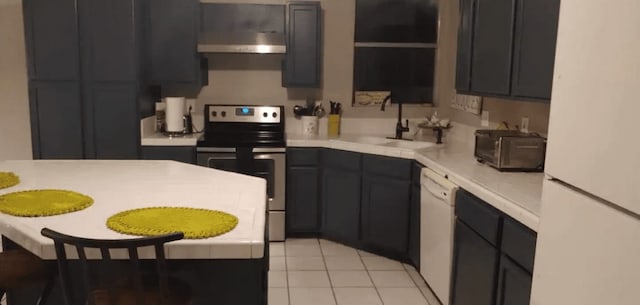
(116, 186)
(159, 139)
(516, 194)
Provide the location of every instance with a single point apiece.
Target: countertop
(116, 186)
(518, 195)
(159, 139)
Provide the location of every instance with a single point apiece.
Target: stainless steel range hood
(241, 42)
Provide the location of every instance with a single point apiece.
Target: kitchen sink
(409, 144)
(387, 142)
(372, 140)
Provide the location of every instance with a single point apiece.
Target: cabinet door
(341, 205)
(173, 38)
(108, 40)
(535, 48)
(186, 154)
(385, 214)
(414, 217)
(303, 209)
(465, 39)
(112, 123)
(302, 62)
(492, 46)
(514, 283)
(475, 262)
(51, 36)
(56, 120)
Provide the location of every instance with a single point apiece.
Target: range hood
(241, 42)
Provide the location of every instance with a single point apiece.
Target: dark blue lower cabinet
(514, 283)
(56, 120)
(493, 256)
(385, 214)
(341, 205)
(414, 216)
(303, 200)
(111, 121)
(186, 154)
(475, 262)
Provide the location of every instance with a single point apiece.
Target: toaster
(510, 150)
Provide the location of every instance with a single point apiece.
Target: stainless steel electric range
(249, 140)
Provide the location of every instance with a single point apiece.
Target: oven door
(268, 163)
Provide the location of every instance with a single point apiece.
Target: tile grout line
(326, 269)
(416, 283)
(286, 271)
(366, 269)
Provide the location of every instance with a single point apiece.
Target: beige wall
(15, 130)
(256, 79)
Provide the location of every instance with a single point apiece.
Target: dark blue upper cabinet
(398, 21)
(535, 48)
(51, 35)
(465, 38)
(493, 40)
(302, 65)
(108, 40)
(506, 48)
(173, 39)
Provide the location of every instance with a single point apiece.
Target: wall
(256, 79)
(15, 129)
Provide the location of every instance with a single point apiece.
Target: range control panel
(244, 114)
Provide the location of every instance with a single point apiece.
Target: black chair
(111, 281)
(20, 269)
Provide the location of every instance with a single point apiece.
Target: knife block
(333, 125)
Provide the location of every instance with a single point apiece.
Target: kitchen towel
(174, 114)
(244, 160)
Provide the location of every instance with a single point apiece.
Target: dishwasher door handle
(434, 188)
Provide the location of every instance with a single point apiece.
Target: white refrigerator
(588, 250)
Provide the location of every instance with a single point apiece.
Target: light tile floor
(321, 272)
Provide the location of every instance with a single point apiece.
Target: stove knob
(214, 113)
(265, 114)
(274, 115)
(224, 114)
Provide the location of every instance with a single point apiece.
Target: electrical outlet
(524, 125)
(484, 121)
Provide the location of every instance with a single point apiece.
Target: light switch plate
(524, 125)
(484, 122)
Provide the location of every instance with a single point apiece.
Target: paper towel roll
(174, 114)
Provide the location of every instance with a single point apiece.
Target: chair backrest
(103, 272)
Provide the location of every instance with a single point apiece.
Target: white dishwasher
(437, 198)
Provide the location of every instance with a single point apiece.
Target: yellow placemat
(8, 179)
(194, 223)
(43, 203)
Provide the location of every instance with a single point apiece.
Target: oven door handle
(232, 150)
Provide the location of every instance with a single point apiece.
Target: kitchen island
(227, 269)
